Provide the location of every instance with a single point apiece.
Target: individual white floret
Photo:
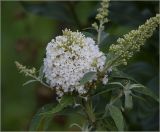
(105, 80)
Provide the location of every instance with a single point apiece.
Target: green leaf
(88, 34)
(146, 91)
(117, 83)
(117, 116)
(109, 123)
(128, 99)
(41, 122)
(138, 97)
(87, 77)
(104, 91)
(77, 125)
(121, 75)
(65, 101)
(28, 82)
(136, 86)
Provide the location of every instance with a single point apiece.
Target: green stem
(99, 33)
(88, 108)
(39, 80)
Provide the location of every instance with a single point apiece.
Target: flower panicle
(23, 69)
(103, 11)
(131, 42)
(68, 58)
(102, 15)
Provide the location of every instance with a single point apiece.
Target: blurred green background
(26, 29)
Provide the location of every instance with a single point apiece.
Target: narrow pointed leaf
(128, 99)
(136, 86)
(41, 122)
(87, 77)
(146, 91)
(75, 124)
(116, 83)
(138, 97)
(65, 101)
(105, 91)
(28, 82)
(121, 75)
(117, 116)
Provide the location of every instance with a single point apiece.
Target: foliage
(117, 55)
(122, 89)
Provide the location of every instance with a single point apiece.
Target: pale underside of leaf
(128, 100)
(116, 83)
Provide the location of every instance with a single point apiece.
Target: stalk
(88, 109)
(99, 33)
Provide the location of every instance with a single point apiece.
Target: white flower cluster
(68, 58)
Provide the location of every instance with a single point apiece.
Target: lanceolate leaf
(87, 77)
(121, 75)
(128, 99)
(88, 34)
(65, 101)
(117, 83)
(139, 97)
(136, 86)
(117, 116)
(146, 91)
(109, 124)
(104, 91)
(28, 82)
(41, 122)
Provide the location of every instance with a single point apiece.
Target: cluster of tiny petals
(68, 58)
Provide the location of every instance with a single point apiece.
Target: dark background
(26, 29)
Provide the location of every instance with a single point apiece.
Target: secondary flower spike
(130, 43)
(68, 58)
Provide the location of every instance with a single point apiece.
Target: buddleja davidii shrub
(85, 78)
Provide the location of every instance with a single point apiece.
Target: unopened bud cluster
(131, 42)
(102, 14)
(23, 69)
(103, 11)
